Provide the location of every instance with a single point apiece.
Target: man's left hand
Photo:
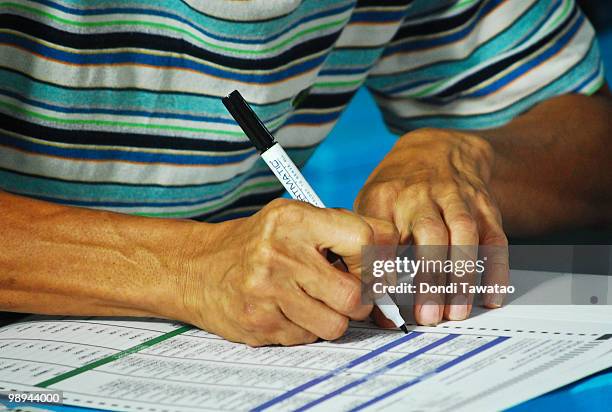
(433, 185)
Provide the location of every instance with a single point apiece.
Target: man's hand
(260, 280)
(265, 280)
(433, 186)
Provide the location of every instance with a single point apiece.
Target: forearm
(552, 166)
(72, 261)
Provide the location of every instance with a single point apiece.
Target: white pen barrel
(390, 310)
(290, 176)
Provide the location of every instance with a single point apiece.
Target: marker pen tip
(404, 328)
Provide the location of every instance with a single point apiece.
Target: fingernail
(496, 301)
(458, 308)
(429, 314)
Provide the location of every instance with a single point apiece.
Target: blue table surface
(329, 169)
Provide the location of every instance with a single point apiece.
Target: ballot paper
(492, 361)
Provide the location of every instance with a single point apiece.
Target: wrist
(196, 259)
(452, 146)
(173, 252)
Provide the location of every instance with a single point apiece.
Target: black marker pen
(290, 176)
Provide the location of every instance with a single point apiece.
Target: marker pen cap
(255, 130)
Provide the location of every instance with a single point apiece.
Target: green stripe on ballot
(116, 356)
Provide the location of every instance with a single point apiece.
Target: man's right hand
(265, 279)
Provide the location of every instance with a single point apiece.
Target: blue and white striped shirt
(116, 104)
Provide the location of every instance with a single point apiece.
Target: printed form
(494, 360)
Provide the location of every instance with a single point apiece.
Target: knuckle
(352, 297)
(465, 223)
(496, 239)
(249, 319)
(337, 328)
(375, 196)
(279, 211)
(446, 190)
(259, 321)
(255, 283)
(254, 317)
(430, 228)
(310, 338)
(259, 275)
(271, 212)
(291, 338)
(385, 191)
(285, 340)
(422, 189)
(387, 232)
(263, 253)
(366, 234)
(362, 313)
(278, 203)
(253, 342)
(427, 222)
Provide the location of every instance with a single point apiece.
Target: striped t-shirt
(116, 105)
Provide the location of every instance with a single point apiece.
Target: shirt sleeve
(479, 64)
